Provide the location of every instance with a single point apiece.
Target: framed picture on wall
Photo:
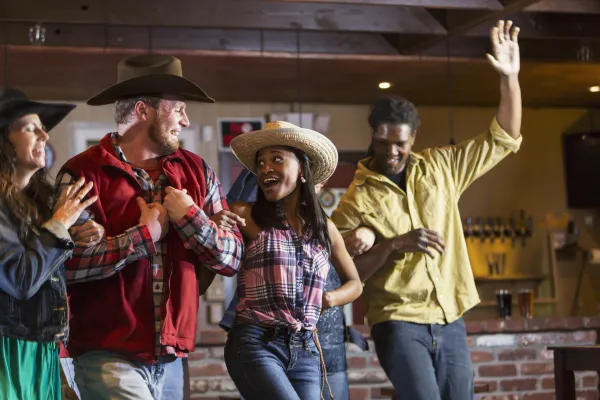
(229, 128)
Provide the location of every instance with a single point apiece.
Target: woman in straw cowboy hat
(34, 244)
(333, 333)
(272, 351)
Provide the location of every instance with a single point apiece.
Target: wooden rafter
(566, 7)
(460, 22)
(453, 4)
(179, 38)
(248, 14)
(546, 26)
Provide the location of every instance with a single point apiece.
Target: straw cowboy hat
(150, 75)
(320, 149)
(15, 104)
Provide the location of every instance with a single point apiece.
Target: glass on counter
(504, 302)
(525, 301)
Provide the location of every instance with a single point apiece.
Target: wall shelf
(510, 278)
(541, 300)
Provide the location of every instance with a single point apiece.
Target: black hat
(15, 104)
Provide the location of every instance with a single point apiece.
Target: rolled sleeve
(192, 221)
(346, 217)
(502, 138)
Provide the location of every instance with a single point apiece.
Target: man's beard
(159, 135)
(388, 170)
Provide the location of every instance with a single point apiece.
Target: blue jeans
(339, 385)
(105, 375)
(425, 362)
(269, 363)
(67, 366)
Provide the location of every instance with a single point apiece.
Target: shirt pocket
(434, 202)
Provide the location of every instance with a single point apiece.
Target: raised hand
(155, 217)
(505, 57)
(71, 203)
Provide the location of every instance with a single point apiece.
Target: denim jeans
(425, 362)
(338, 381)
(104, 375)
(269, 363)
(67, 366)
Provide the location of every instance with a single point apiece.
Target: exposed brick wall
(510, 361)
(519, 366)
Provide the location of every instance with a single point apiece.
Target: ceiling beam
(459, 22)
(247, 14)
(546, 50)
(551, 26)
(131, 37)
(273, 43)
(566, 7)
(457, 4)
(77, 73)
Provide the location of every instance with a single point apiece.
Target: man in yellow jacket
(418, 280)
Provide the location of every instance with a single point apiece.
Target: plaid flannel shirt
(282, 280)
(218, 250)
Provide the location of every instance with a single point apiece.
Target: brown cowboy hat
(150, 75)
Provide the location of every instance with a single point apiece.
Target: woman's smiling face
(278, 170)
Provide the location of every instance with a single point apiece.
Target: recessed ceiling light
(384, 85)
(594, 89)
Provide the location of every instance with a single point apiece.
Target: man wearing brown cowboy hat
(134, 297)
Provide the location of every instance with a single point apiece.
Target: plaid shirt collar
(120, 155)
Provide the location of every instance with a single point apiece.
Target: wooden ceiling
(314, 51)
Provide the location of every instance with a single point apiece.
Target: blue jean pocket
(250, 342)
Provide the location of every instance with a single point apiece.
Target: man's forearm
(510, 109)
(110, 255)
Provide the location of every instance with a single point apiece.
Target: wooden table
(567, 360)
